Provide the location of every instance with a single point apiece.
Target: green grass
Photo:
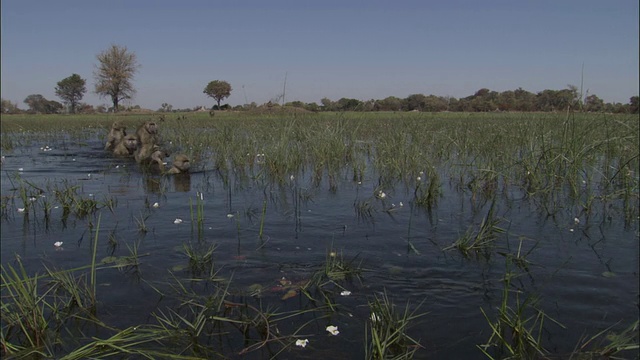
(578, 163)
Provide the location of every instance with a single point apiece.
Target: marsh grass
(559, 163)
(517, 331)
(480, 242)
(387, 334)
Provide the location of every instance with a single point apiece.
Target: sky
(334, 49)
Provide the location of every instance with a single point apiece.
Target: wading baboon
(127, 146)
(148, 133)
(180, 165)
(150, 155)
(116, 134)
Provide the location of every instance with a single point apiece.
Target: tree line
(117, 66)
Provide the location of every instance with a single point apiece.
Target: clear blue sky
(334, 49)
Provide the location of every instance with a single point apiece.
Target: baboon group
(143, 147)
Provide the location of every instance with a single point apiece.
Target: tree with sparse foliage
(114, 74)
(71, 90)
(9, 108)
(218, 90)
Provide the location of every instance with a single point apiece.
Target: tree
(9, 108)
(114, 74)
(71, 90)
(36, 103)
(633, 104)
(218, 90)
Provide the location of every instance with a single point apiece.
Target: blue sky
(334, 49)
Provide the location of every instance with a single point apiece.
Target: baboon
(180, 165)
(116, 134)
(150, 155)
(148, 133)
(127, 146)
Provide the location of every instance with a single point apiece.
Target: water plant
(387, 335)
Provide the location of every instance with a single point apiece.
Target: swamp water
(271, 238)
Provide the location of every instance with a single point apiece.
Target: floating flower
(419, 178)
(381, 195)
(292, 177)
(229, 216)
(20, 169)
(33, 198)
(333, 330)
(401, 204)
(21, 210)
(302, 342)
(576, 220)
(345, 293)
(571, 230)
(177, 221)
(58, 243)
(156, 205)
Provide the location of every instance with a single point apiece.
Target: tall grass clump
(387, 334)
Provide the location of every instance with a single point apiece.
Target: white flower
(576, 220)
(571, 230)
(302, 342)
(381, 195)
(33, 198)
(401, 204)
(20, 210)
(292, 177)
(229, 216)
(177, 221)
(20, 169)
(57, 243)
(418, 178)
(345, 293)
(156, 205)
(421, 173)
(333, 330)
(374, 317)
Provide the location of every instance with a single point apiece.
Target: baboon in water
(151, 155)
(116, 134)
(127, 146)
(148, 133)
(180, 165)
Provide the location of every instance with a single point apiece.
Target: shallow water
(584, 272)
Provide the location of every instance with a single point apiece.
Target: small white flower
(401, 204)
(33, 198)
(20, 169)
(58, 243)
(20, 210)
(88, 175)
(302, 342)
(229, 216)
(345, 293)
(333, 330)
(381, 195)
(418, 178)
(576, 220)
(73, 159)
(156, 205)
(571, 230)
(292, 177)
(421, 173)
(117, 166)
(177, 221)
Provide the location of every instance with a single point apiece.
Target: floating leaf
(608, 274)
(109, 260)
(178, 267)
(291, 293)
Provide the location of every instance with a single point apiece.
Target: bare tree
(114, 74)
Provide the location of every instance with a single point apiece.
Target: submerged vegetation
(571, 167)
